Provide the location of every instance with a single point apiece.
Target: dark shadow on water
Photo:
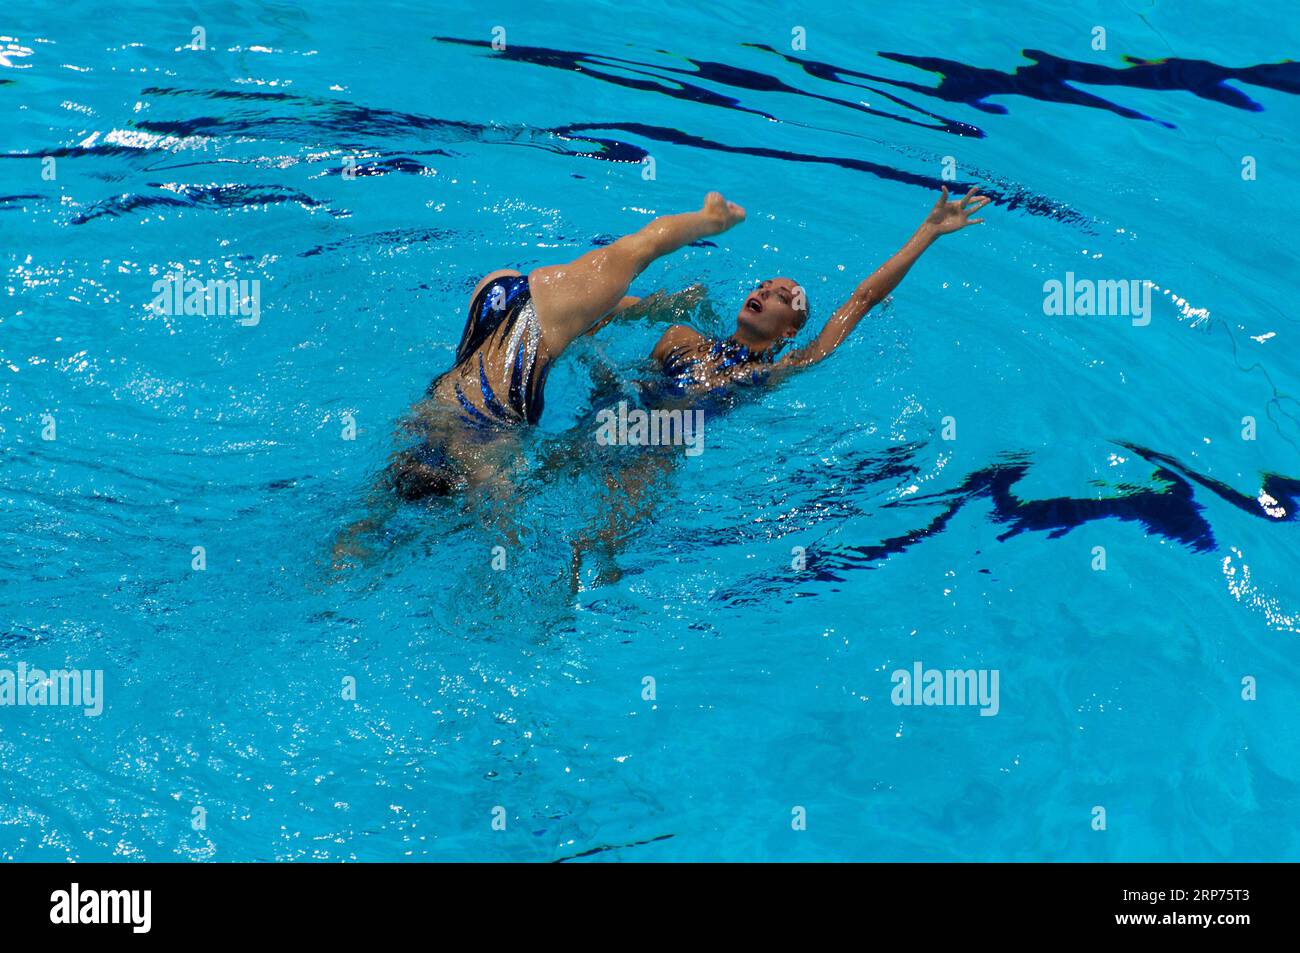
(1049, 77)
(608, 847)
(1169, 511)
(598, 66)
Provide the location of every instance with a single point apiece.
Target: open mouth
(754, 305)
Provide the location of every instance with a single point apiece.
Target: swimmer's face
(776, 309)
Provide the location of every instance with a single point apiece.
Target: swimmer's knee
(491, 277)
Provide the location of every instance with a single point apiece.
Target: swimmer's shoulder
(676, 337)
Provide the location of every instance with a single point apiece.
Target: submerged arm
(661, 304)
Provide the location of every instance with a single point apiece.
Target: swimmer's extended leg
(571, 298)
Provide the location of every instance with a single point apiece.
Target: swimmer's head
(773, 312)
(421, 473)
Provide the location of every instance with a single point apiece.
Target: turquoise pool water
(367, 166)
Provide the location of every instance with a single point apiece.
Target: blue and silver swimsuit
(502, 315)
(681, 365)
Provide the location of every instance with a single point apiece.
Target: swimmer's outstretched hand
(948, 216)
(945, 217)
(722, 213)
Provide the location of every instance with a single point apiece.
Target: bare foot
(725, 214)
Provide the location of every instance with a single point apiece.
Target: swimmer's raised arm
(945, 217)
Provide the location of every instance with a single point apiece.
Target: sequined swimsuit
(502, 315)
(682, 365)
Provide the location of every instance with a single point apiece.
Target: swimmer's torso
(712, 365)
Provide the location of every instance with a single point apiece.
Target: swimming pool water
(522, 694)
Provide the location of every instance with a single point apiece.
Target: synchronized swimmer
(519, 325)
